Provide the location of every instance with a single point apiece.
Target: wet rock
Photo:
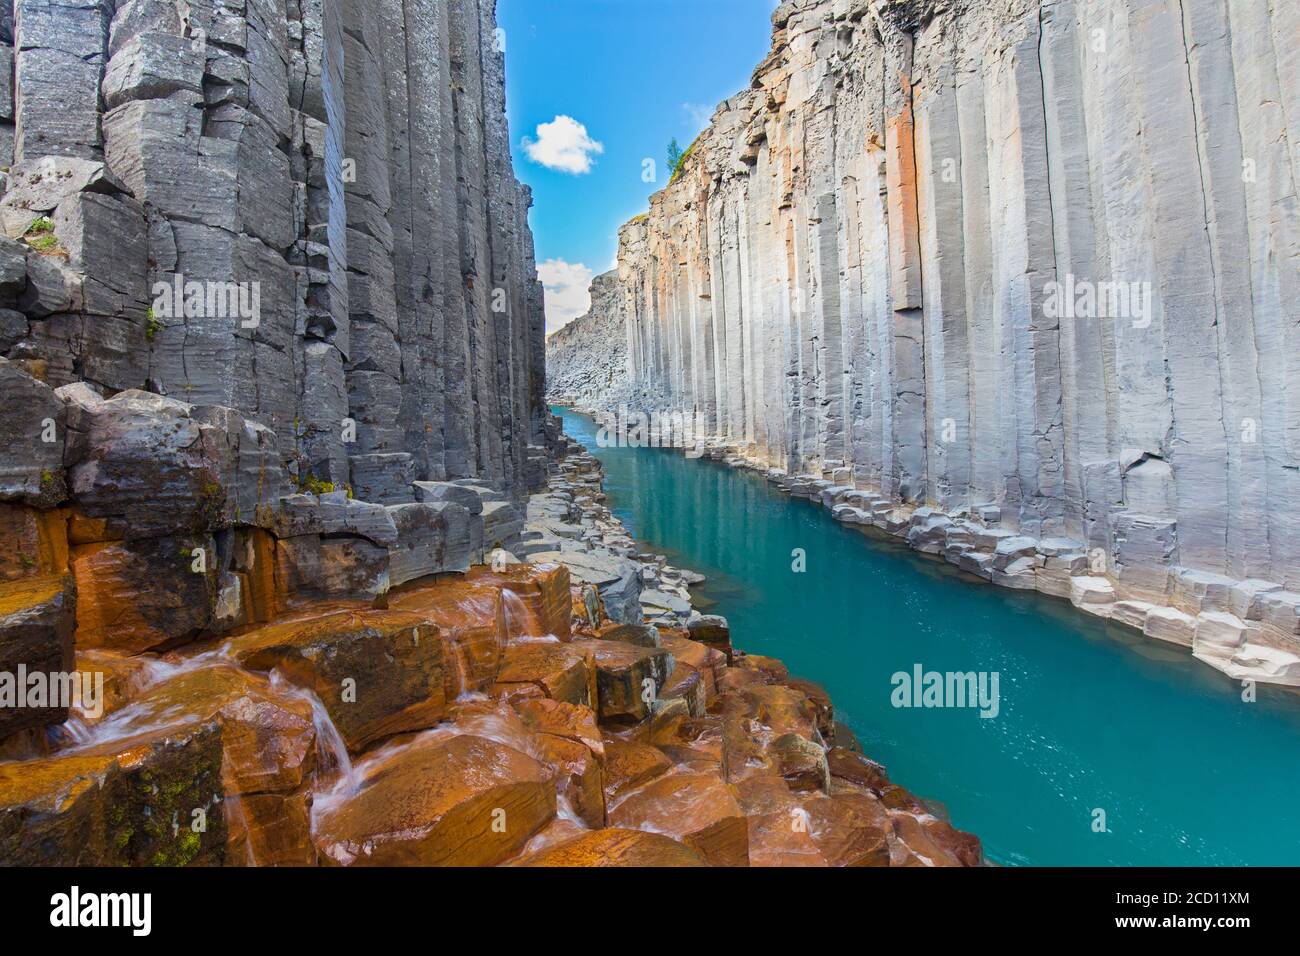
(628, 678)
(37, 623)
(558, 671)
(310, 566)
(378, 673)
(801, 763)
(464, 801)
(154, 466)
(697, 809)
(32, 429)
(144, 594)
(116, 807)
(629, 765)
(618, 847)
(857, 769)
(471, 621)
(543, 592)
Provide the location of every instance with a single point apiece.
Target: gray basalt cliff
(1015, 279)
(270, 325)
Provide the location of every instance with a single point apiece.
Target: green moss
(152, 325)
(40, 236)
(312, 485)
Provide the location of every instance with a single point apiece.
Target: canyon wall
(1030, 263)
(589, 357)
(270, 324)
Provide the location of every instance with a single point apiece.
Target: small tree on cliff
(675, 157)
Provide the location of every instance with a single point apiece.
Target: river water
(1107, 748)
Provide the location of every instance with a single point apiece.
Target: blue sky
(596, 87)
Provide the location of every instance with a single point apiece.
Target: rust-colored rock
(34, 543)
(270, 829)
(116, 805)
(850, 829)
(142, 595)
(471, 618)
(577, 722)
(698, 809)
(857, 769)
(801, 763)
(925, 840)
(617, 847)
(558, 671)
(378, 673)
(463, 801)
(629, 764)
(37, 620)
(628, 678)
(580, 781)
(543, 592)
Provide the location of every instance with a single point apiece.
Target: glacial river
(1092, 718)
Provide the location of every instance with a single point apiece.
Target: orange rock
(558, 671)
(850, 829)
(801, 763)
(628, 678)
(378, 673)
(823, 709)
(463, 801)
(581, 781)
(269, 829)
(617, 847)
(926, 840)
(686, 684)
(783, 710)
(472, 620)
(543, 590)
(253, 561)
(629, 764)
(141, 595)
(714, 632)
(577, 722)
(268, 736)
(124, 675)
(37, 621)
(32, 543)
(698, 809)
(769, 669)
(711, 663)
(116, 805)
(857, 769)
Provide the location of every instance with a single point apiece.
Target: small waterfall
(519, 621)
(464, 693)
(332, 758)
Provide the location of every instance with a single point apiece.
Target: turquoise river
(1092, 717)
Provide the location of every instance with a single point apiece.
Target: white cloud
(563, 144)
(700, 114)
(568, 291)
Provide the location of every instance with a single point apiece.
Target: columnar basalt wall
(349, 161)
(270, 324)
(1029, 263)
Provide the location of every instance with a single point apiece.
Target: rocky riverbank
(523, 714)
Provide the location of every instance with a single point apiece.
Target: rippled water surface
(1092, 716)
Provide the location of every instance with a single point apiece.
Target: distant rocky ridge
(1011, 279)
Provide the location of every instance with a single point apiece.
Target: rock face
(270, 326)
(1027, 264)
(587, 360)
(283, 210)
